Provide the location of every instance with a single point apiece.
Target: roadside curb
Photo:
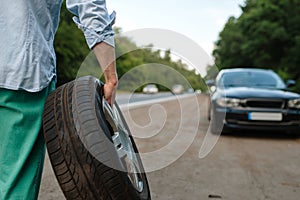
(135, 105)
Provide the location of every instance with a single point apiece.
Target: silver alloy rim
(123, 145)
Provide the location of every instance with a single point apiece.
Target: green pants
(22, 148)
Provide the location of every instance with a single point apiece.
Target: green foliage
(70, 47)
(71, 51)
(266, 35)
(145, 65)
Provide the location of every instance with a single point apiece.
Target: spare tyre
(90, 147)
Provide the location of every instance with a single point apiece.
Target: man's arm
(106, 57)
(93, 19)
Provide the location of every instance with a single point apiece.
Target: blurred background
(235, 33)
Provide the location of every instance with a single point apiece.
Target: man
(28, 75)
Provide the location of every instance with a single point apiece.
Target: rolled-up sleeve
(92, 17)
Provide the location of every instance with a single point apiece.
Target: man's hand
(110, 92)
(106, 57)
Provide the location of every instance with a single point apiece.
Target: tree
(70, 47)
(267, 35)
(72, 53)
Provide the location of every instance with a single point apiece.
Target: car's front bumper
(239, 119)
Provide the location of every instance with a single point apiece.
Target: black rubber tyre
(80, 146)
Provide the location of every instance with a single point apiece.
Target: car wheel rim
(123, 145)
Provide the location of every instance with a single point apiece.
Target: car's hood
(246, 92)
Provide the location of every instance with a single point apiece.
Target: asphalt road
(252, 166)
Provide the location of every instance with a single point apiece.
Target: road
(252, 166)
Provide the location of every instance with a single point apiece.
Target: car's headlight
(295, 103)
(228, 102)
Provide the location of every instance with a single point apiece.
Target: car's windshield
(264, 79)
(151, 86)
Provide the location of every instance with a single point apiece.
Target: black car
(253, 99)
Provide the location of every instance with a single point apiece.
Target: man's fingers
(109, 93)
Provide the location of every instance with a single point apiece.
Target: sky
(199, 20)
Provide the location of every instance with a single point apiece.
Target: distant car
(177, 89)
(150, 89)
(198, 91)
(190, 90)
(253, 99)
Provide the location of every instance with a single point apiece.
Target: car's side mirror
(290, 83)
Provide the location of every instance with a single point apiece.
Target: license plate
(262, 116)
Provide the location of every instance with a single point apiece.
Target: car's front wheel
(216, 122)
